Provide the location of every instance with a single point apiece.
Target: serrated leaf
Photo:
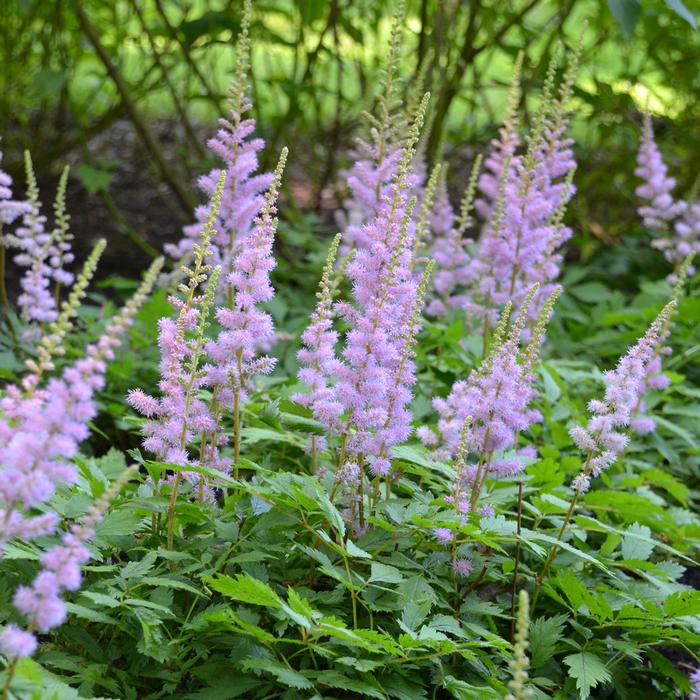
(282, 673)
(588, 671)
(545, 632)
(636, 544)
(682, 604)
(384, 573)
(245, 589)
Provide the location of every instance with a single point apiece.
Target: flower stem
(171, 511)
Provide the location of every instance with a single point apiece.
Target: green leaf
(682, 11)
(92, 179)
(636, 544)
(588, 670)
(245, 589)
(384, 573)
(282, 673)
(138, 569)
(545, 632)
(682, 604)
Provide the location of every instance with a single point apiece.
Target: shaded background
(128, 91)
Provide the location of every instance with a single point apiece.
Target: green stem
(171, 510)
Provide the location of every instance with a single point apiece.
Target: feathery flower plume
(484, 414)
(361, 395)
(36, 302)
(449, 250)
(179, 415)
(520, 663)
(10, 209)
(660, 207)
(242, 196)
(502, 155)
(371, 176)
(246, 328)
(677, 220)
(655, 379)
(60, 253)
(602, 439)
(40, 428)
(41, 602)
(523, 196)
(317, 357)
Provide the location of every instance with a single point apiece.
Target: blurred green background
(128, 91)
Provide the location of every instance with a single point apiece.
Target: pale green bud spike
(239, 85)
(62, 219)
(340, 272)
(51, 344)
(200, 337)
(409, 149)
(558, 216)
(463, 446)
(32, 187)
(520, 662)
(392, 68)
(98, 509)
(500, 204)
(514, 95)
(497, 338)
(521, 319)
(531, 352)
(535, 138)
(464, 220)
(426, 209)
(409, 334)
(202, 250)
(324, 287)
(567, 82)
(681, 276)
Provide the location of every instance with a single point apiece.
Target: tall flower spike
(496, 399)
(518, 245)
(243, 193)
(179, 415)
(677, 220)
(426, 209)
(41, 430)
(317, 357)
(520, 662)
(10, 209)
(502, 149)
(60, 253)
(397, 424)
(41, 603)
(655, 378)
(51, 343)
(450, 251)
(603, 438)
(36, 301)
(660, 208)
(377, 158)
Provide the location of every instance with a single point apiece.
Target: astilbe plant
(361, 396)
(523, 197)
(41, 428)
(605, 437)
(182, 427)
(483, 415)
(677, 220)
(41, 602)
